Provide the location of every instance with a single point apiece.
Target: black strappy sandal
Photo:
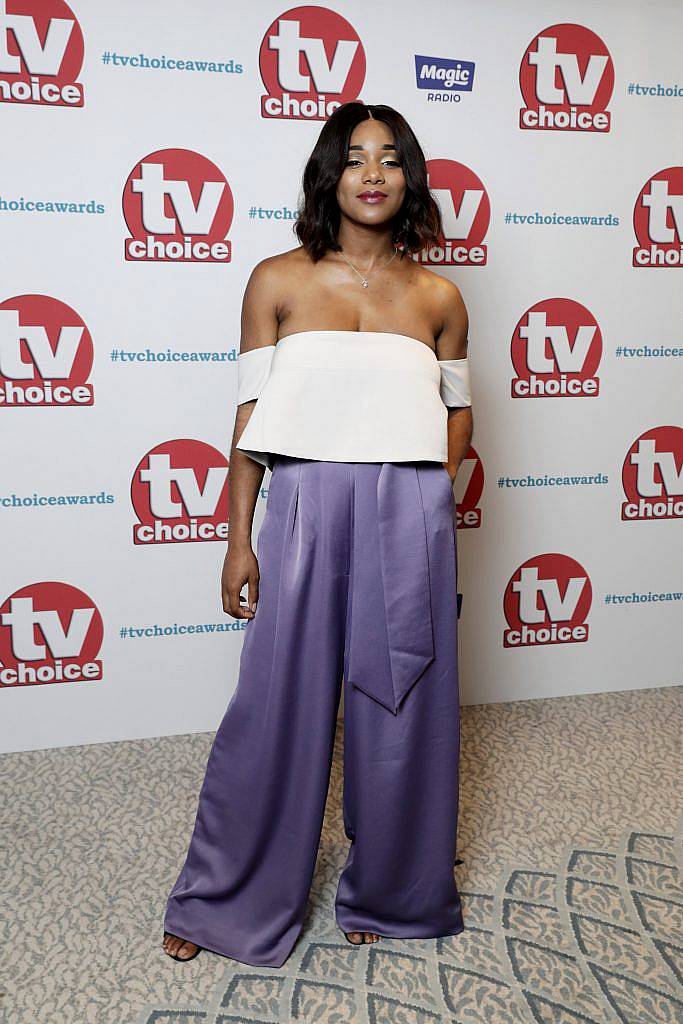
(182, 959)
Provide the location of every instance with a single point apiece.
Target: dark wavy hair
(416, 225)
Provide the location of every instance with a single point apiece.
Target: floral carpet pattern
(571, 840)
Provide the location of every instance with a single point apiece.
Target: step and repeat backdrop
(152, 155)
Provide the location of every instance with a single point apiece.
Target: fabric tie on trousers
(390, 582)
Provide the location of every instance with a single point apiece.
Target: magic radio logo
(46, 354)
(469, 486)
(180, 493)
(465, 214)
(311, 61)
(41, 53)
(658, 220)
(444, 78)
(178, 207)
(652, 475)
(566, 78)
(556, 350)
(49, 633)
(547, 601)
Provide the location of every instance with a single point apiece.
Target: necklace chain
(364, 277)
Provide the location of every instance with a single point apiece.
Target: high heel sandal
(182, 959)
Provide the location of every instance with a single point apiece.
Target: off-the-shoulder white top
(349, 396)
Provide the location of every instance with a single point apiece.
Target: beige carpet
(571, 831)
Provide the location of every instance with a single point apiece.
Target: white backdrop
(118, 373)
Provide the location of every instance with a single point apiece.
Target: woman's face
(372, 166)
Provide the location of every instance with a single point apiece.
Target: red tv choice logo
(178, 207)
(652, 475)
(566, 78)
(49, 633)
(556, 350)
(465, 213)
(180, 493)
(658, 220)
(41, 54)
(46, 353)
(309, 55)
(469, 484)
(546, 602)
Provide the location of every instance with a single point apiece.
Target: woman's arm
(452, 344)
(259, 327)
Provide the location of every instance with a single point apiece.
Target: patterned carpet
(571, 833)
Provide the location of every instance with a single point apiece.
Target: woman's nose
(374, 174)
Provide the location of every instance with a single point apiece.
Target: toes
(358, 938)
(172, 944)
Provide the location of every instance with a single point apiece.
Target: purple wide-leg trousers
(357, 565)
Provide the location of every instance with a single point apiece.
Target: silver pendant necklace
(364, 278)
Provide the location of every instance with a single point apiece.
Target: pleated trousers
(357, 592)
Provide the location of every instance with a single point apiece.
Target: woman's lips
(376, 198)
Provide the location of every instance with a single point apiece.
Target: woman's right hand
(240, 567)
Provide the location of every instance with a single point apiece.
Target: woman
(353, 389)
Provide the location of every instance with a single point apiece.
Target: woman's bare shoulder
(280, 266)
(267, 294)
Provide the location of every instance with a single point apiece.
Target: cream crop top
(349, 396)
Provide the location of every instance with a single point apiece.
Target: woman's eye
(394, 163)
